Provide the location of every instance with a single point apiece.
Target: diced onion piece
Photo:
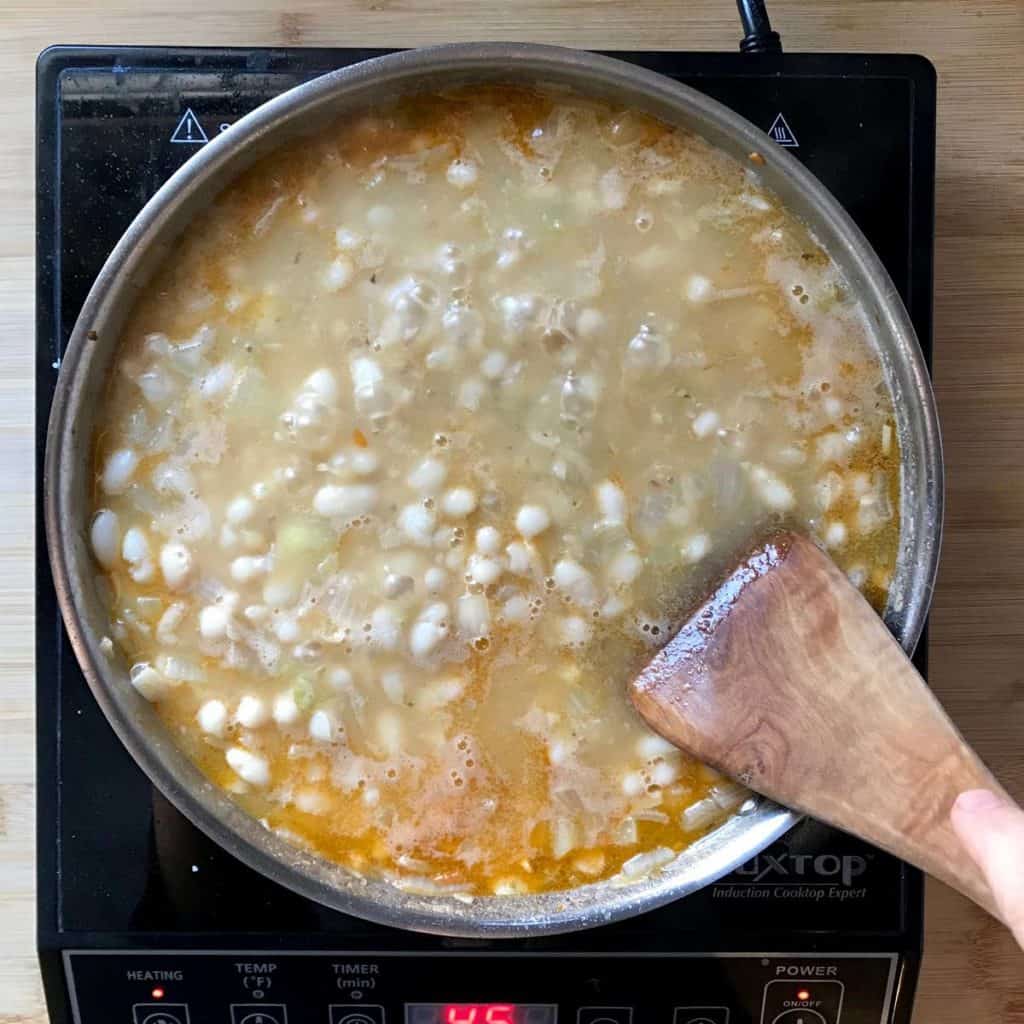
(644, 863)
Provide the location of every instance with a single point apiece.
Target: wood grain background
(972, 970)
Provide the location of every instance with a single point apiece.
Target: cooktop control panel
(470, 987)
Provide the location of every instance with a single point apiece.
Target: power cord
(758, 37)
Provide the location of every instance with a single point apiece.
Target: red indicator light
(479, 1013)
(803, 995)
(157, 993)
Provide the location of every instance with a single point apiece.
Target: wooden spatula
(788, 681)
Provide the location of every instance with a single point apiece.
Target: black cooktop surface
(118, 866)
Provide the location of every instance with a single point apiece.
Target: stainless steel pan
(78, 405)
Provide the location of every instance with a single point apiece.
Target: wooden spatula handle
(788, 681)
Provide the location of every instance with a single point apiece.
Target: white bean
(474, 615)
(458, 503)
(772, 491)
(428, 476)
(213, 621)
(483, 570)
(252, 712)
(286, 711)
(462, 173)
(340, 679)
(488, 540)
(345, 499)
(532, 520)
(698, 288)
(835, 534)
(240, 510)
(706, 423)
(247, 766)
(574, 631)
(105, 537)
(696, 547)
(247, 567)
(322, 727)
(339, 274)
(417, 523)
(434, 580)
(136, 552)
(175, 564)
(611, 501)
(625, 568)
(118, 471)
(212, 717)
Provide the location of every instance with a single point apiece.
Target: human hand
(992, 829)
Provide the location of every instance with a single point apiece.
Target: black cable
(758, 35)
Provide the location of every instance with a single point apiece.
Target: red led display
(479, 1013)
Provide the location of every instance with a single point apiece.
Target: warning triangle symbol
(781, 134)
(189, 130)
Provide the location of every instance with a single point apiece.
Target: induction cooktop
(143, 920)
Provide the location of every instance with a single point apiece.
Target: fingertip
(977, 801)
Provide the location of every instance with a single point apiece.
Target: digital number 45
(475, 1013)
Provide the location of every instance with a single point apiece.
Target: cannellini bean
(434, 579)
(698, 288)
(574, 630)
(340, 679)
(611, 501)
(494, 364)
(483, 570)
(417, 523)
(252, 712)
(247, 766)
(458, 503)
(389, 732)
(212, 717)
(424, 637)
(664, 774)
(213, 621)
(471, 393)
(474, 615)
(339, 274)
(240, 510)
(105, 537)
(575, 581)
(462, 173)
(385, 627)
(625, 568)
(380, 216)
(393, 685)
(286, 628)
(176, 565)
(633, 784)
(488, 540)
(516, 609)
(323, 384)
(286, 711)
(652, 746)
(835, 534)
(696, 547)
(322, 727)
(118, 470)
(136, 552)
(614, 190)
(532, 520)
(428, 476)
(247, 567)
(522, 558)
(279, 592)
(437, 694)
(345, 499)
(706, 423)
(590, 322)
(771, 490)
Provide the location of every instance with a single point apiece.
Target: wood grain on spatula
(787, 680)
